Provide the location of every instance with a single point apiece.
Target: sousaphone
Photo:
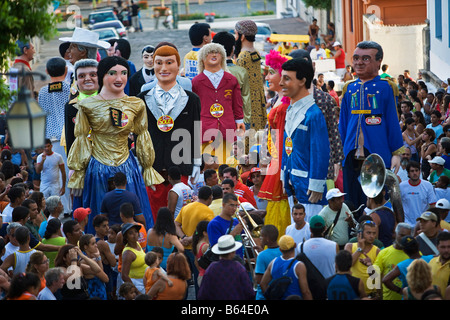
(374, 176)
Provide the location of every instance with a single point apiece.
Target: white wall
(439, 48)
(338, 20)
(402, 46)
(305, 13)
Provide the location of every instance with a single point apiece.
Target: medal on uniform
(216, 110)
(165, 123)
(124, 120)
(288, 146)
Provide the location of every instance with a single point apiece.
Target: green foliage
(23, 19)
(191, 16)
(262, 13)
(318, 4)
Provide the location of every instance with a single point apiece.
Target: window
(438, 19)
(351, 15)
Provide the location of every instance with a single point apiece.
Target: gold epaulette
(344, 88)
(393, 86)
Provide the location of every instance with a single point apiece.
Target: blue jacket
(372, 108)
(305, 163)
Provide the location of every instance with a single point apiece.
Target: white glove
(291, 201)
(282, 176)
(196, 170)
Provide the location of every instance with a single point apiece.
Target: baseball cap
(317, 222)
(128, 226)
(334, 193)
(286, 243)
(427, 215)
(247, 206)
(443, 204)
(408, 241)
(438, 160)
(81, 213)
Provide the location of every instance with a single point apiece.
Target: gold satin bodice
(96, 136)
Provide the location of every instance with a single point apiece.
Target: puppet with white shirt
(173, 122)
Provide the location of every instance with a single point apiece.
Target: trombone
(256, 229)
(247, 239)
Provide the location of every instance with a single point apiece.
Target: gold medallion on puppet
(216, 110)
(288, 146)
(165, 123)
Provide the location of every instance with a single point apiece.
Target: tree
(318, 4)
(22, 19)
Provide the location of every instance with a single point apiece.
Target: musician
(338, 218)
(226, 223)
(384, 217)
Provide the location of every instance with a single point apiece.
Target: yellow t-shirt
(138, 266)
(440, 272)
(190, 63)
(191, 214)
(360, 270)
(445, 225)
(386, 260)
(216, 206)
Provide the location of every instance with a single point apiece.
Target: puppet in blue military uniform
(306, 149)
(368, 120)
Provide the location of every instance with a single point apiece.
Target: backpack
(316, 282)
(277, 287)
(207, 258)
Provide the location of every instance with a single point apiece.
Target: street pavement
(179, 37)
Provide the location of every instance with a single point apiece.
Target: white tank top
(184, 196)
(322, 253)
(21, 259)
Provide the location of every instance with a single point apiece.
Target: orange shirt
(176, 292)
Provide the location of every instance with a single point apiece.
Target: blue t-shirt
(342, 287)
(437, 129)
(132, 71)
(403, 267)
(447, 161)
(262, 262)
(218, 227)
(114, 199)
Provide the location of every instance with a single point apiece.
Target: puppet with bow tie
(174, 124)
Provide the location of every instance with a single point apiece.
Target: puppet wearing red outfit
(278, 210)
(221, 100)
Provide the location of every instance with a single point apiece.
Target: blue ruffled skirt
(96, 186)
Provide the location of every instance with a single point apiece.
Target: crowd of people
(221, 171)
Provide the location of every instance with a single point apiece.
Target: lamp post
(25, 119)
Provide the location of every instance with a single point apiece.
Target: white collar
(296, 112)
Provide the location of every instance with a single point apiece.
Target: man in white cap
(84, 44)
(339, 58)
(226, 279)
(338, 217)
(438, 169)
(442, 208)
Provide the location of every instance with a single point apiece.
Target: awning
(276, 37)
